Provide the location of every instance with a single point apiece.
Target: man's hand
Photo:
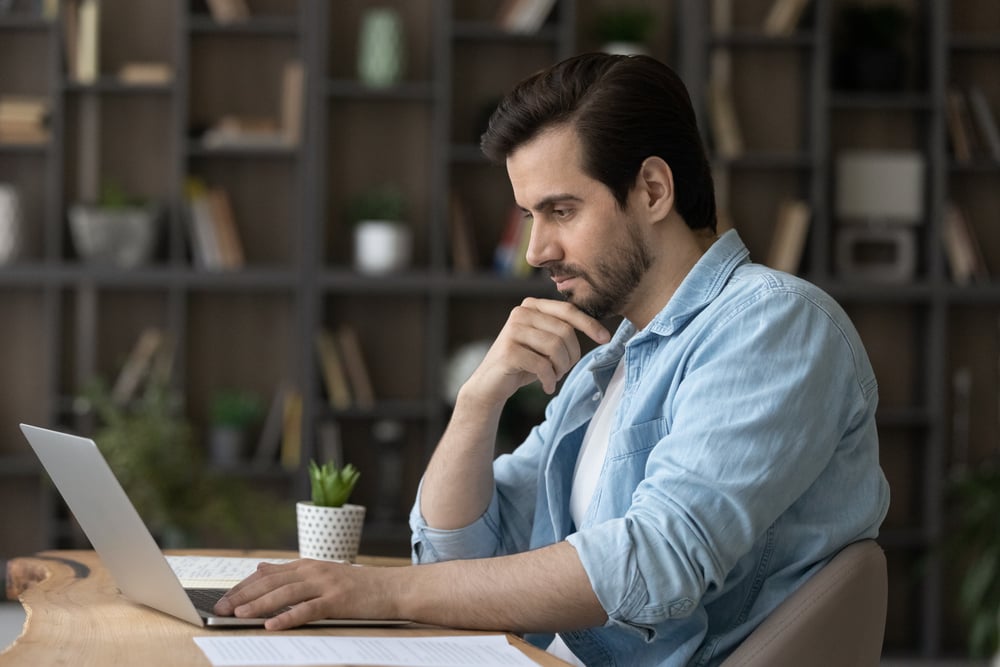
(541, 590)
(538, 342)
(313, 589)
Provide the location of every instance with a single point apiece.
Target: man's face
(594, 251)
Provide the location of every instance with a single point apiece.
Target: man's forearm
(544, 590)
(458, 482)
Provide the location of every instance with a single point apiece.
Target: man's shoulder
(758, 282)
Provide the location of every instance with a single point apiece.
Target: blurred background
(238, 235)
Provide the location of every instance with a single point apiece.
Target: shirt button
(597, 395)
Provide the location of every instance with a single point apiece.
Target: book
(145, 73)
(214, 235)
(292, 101)
(965, 255)
(137, 365)
(223, 224)
(26, 109)
(204, 244)
(269, 442)
(505, 256)
(332, 367)
(985, 122)
(722, 17)
(70, 36)
(463, 245)
(87, 42)
(330, 447)
(349, 345)
(523, 16)
(959, 125)
(789, 238)
(229, 11)
(726, 132)
(245, 132)
(291, 434)
(783, 17)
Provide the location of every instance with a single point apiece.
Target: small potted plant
(382, 240)
(624, 30)
(329, 527)
(117, 230)
(975, 549)
(233, 413)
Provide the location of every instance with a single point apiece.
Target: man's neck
(679, 249)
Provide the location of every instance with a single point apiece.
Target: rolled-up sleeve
(506, 525)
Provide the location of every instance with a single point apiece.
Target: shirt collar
(702, 284)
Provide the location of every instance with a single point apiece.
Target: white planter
(625, 49)
(382, 246)
(329, 533)
(122, 237)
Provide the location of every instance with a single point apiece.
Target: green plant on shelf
(382, 202)
(624, 24)
(236, 409)
(149, 443)
(975, 548)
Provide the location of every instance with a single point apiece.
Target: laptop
(121, 539)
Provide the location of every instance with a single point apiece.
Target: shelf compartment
(24, 356)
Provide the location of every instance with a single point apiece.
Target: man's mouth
(562, 282)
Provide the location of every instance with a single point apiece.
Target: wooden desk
(76, 616)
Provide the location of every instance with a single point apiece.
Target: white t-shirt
(588, 468)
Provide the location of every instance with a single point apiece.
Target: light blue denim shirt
(743, 455)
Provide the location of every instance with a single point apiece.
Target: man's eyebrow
(551, 199)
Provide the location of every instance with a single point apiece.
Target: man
(691, 472)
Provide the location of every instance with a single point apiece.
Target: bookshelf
(254, 326)
(919, 331)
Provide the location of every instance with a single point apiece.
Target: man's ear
(655, 185)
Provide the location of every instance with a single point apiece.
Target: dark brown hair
(624, 109)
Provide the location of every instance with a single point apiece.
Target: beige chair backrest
(836, 619)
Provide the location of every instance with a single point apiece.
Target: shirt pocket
(637, 440)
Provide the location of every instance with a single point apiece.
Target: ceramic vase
(122, 237)
(381, 57)
(329, 533)
(381, 246)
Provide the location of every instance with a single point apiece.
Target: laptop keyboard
(204, 599)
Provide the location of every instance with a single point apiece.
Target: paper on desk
(215, 571)
(257, 651)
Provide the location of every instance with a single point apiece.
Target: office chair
(836, 619)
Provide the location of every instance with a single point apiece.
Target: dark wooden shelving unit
(66, 321)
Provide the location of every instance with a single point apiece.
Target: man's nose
(542, 245)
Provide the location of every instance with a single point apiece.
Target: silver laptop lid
(110, 521)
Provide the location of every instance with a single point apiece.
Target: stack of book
(972, 126)
(215, 238)
(23, 119)
(344, 370)
(509, 257)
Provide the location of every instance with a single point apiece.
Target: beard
(613, 279)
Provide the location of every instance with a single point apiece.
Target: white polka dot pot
(329, 533)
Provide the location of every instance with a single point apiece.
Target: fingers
(548, 330)
(572, 315)
(271, 588)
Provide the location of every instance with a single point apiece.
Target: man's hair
(624, 109)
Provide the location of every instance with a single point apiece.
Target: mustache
(566, 271)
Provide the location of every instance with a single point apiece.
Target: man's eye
(561, 212)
